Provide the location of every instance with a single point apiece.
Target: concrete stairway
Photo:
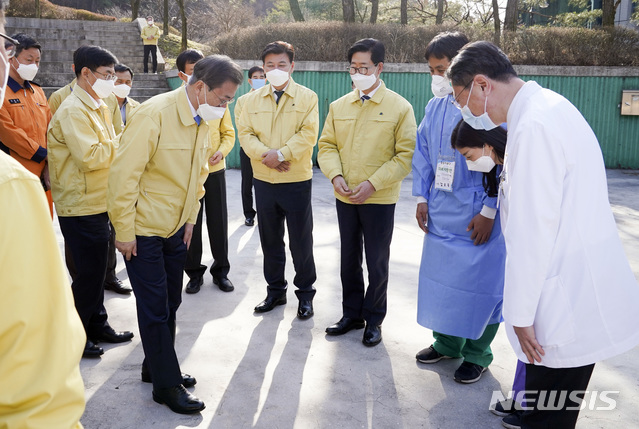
(59, 38)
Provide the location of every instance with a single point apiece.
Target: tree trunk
(497, 22)
(348, 8)
(374, 9)
(510, 20)
(183, 16)
(296, 11)
(608, 9)
(135, 9)
(403, 6)
(37, 9)
(165, 26)
(439, 19)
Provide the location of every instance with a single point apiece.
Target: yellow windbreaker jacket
(56, 99)
(290, 126)
(148, 31)
(222, 138)
(82, 146)
(157, 178)
(373, 141)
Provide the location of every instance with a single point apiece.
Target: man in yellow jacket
(222, 139)
(31, 315)
(121, 90)
(155, 185)
(82, 145)
(278, 129)
(150, 35)
(366, 150)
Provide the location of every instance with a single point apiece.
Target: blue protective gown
(460, 284)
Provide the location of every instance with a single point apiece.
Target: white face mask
(208, 112)
(482, 122)
(122, 90)
(150, 22)
(27, 71)
(277, 77)
(363, 81)
(102, 88)
(257, 83)
(440, 86)
(483, 164)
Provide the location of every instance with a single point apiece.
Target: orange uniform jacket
(24, 118)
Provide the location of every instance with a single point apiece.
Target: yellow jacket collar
(86, 98)
(184, 110)
(291, 89)
(376, 98)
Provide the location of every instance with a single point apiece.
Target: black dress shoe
(110, 336)
(224, 284)
(193, 286)
(249, 221)
(344, 325)
(187, 380)
(91, 350)
(305, 309)
(118, 287)
(372, 335)
(178, 399)
(270, 303)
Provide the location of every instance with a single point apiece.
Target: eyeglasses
(107, 76)
(222, 101)
(454, 101)
(10, 45)
(360, 70)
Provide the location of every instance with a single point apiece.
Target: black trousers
(153, 50)
(247, 185)
(552, 381)
(290, 202)
(112, 260)
(156, 278)
(369, 228)
(87, 239)
(214, 202)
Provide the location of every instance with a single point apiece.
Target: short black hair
(190, 56)
(445, 45)
(26, 42)
(254, 69)
(92, 57)
(215, 70)
(480, 58)
(279, 47)
(374, 46)
(119, 68)
(464, 135)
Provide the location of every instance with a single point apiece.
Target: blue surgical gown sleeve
(423, 172)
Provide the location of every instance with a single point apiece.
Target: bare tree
(374, 10)
(165, 19)
(403, 12)
(183, 17)
(135, 9)
(37, 9)
(348, 8)
(608, 9)
(497, 23)
(439, 19)
(510, 20)
(296, 10)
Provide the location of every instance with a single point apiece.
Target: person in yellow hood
(155, 185)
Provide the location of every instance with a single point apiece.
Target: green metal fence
(597, 97)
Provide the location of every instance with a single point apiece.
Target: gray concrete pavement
(275, 371)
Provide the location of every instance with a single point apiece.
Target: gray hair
(480, 58)
(215, 70)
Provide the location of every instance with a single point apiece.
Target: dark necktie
(364, 98)
(278, 94)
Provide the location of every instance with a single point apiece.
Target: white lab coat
(566, 271)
